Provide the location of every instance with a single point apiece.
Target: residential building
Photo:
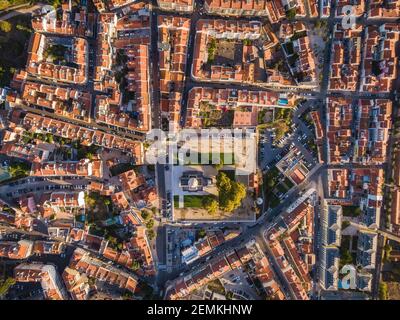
(46, 274)
(176, 5)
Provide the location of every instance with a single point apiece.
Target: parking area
(240, 284)
(173, 254)
(300, 134)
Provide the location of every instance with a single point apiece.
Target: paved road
(384, 213)
(189, 62)
(154, 68)
(157, 123)
(48, 185)
(19, 10)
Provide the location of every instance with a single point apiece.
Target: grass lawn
(225, 158)
(351, 211)
(176, 201)
(306, 118)
(193, 201)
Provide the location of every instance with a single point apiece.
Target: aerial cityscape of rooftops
(199, 150)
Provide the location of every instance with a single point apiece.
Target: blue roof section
(283, 101)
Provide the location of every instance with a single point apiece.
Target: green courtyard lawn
(223, 158)
(351, 211)
(346, 257)
(193, 201)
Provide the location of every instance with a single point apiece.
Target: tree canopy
(201, 233)
(5, 26)
(5, 286)
(135, 265)
(231, 193)
(291, 13)
(210, 204)
(383, 291)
